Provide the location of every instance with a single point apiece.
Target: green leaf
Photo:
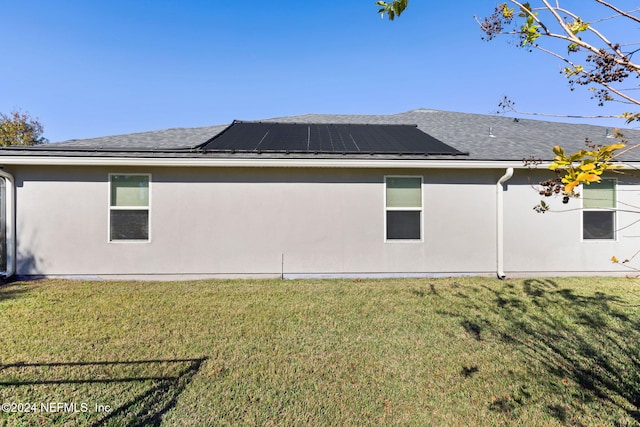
(506, 12)
(558, 151)
(393, 9)
(578, 26)
(571, 71)
(525, 10)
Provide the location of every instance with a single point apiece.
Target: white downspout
(9, 223)
(500, 223)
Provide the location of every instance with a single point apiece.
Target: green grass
(464, 351)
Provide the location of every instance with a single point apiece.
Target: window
(129, 207)
(403, 206)
(599, 215)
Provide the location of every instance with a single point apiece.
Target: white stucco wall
(552, 242)
(226, 221)
(269, 221)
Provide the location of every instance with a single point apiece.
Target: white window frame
(614, 209)
(134, 208)
(421, 209)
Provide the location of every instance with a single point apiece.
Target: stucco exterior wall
(229, 222)
(253, 221)
(551, 242)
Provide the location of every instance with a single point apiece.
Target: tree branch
(620, 59)
(621, 12)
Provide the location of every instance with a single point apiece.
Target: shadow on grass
(10, 290)
(146, 408)
(15, 286)
(592, 341)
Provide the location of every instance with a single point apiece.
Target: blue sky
(89, 68)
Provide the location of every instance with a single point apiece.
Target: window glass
(129, 207)
(403, 197)
(403, 225)
(404, 192)
(129, 225)
(129, 190)
(598, 215)
(599, 225)
(600, 195)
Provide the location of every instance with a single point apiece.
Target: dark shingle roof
(487, 137)
(484, 137)
(168, 139)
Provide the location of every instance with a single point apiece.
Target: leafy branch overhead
(584, 166)
(591, 58)
(393, 8)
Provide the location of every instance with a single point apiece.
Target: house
(421, 193)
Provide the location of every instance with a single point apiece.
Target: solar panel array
(271, 137)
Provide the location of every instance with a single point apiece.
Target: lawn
(410, 352)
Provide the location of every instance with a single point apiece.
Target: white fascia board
(271, 162)
(257, 163)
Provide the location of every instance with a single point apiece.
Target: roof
(168, 139)
(483, 137)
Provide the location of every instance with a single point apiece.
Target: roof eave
(263, 162)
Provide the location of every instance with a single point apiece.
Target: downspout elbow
(500, 223)
(506, 177)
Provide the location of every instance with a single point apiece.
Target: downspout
(500, 223)
(10, 228)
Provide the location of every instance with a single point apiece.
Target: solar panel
(273, 137)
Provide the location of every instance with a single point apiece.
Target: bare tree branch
(621, 12)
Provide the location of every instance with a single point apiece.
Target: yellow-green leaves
(615, 260)
(572, 71)
(530, 29)
(631, 117)
(583, 166)
(392, 9)
(578, 26)
(507, 12)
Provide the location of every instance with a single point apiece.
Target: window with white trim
(129, 207)
(599, 210)
(403, 208)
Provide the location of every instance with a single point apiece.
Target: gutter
(272, 162)
(261, 162)
(500, 223)
(9, 224)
